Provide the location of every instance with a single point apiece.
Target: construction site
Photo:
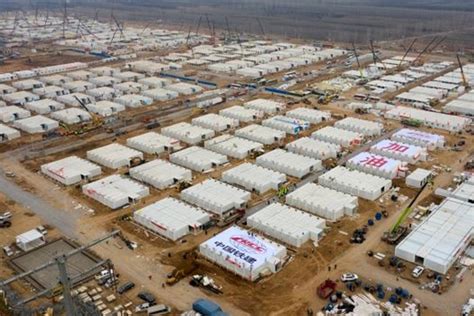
(152, 169)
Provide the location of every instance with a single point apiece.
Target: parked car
(8, 251)
(42, 230)
(160, 309)
(142, 307)
(418, 271)
(147, 297)
(349, 277)
(125, 287)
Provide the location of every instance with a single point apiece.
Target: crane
(406, 53)
(425, 49)
(375, 56)
(358, 63)
(463, 76)
(261, 27)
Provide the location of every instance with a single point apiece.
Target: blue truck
(208, 308)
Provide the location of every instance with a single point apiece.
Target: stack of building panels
(114, 155)
(356, 183)
(161, 174)
(286, 124)
(378, 165)
(419, 138)
(171, 218)
(254, 178)
(71, 170)
(188, 133)
(154, 143)
(289, 163)
(261, 134)
(401, 151)
(287, 224)
(198, 159)
(364, 127)
(265, 106)
(338, 136)
(215, 122)
(314, 148)
(115, 191)
(310, 115)
(241, 114)
(216, 197)
(322, 201)
(235, 147)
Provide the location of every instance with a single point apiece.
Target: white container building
(161, 174)
(244, 253)
(44, 106)
(13, 113)
(215, 122)
(418, 178)
(356, 183)
(30, 240)
(419, 138)
(105, 71)
(338, 136)
(286, 124)
(154, 82)
(51, 91)
(160, 94)
(106, 108)
(71, 170)
(7, 133)
(321, 201)
(364, 127)
(104, 93)
(134, 100)
(265, 106)
(20, 98)
(71, 116)
(147, 66)
(71, 99)
(216, 197)
(171, 218)
(115, 191)
(378, 165)
(81, 75)
(188, 133)
(129, 76)
(198, 159)
(129, 87)
(6, 89)
(79, 86)
(254, 178)
(184, 88)
(232, 146)
(28, 84)
(36, 124)
(309, 115)
(56, 80)
(447, 122)
(241, 114)
(154, 143)
(114, 155)
(104, 81)
(289, 163)
(401, 151)
(464, 107)
(262, 134)
(314, 148)
(288, 225)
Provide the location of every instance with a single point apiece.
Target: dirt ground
(43, 60)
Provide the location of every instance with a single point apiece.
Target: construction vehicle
(129, 243)
(205, 282)
(95, 123)
(466, 85)
(412, 122)
(179, 273)
(183, 185)
(326, 289)
(326, 98)
(6, 220)
(282, 191)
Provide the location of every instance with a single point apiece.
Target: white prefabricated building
(128, 87)
(71, 170)
(241, 114)
(265, 106)
(105, 71)
(44, 106)
(6, 89)
(160, 94)
(287, 224)
(322, 201)
(286, 124)
(51, 91)
(160, 173)
(153, 143)
(198, 159)
(338, 136)
(71, 116)
(232, 146)
(309, 115)
(289, 163)
(418, 178)
(114, 155)
(401, 151)
(378, 165)
(13, 113)
(104, 81)
(261, 134)
(115, 191)
(72, 99)
(36, 124)
(460, 106)
(56, 80)
(184, 88)
(364, 127)
(30, 240)
(216, 197)
(314, 148)
(254, 178)
(171, 218)
(106, 108)
(81, 75)
(441, 238)
(356, 183)
(28, 84)
(104, 93)
(419, 138)
(129, 76)
(244, 253)
(133, 100)
(7, 133)
(79, 86)
(188, 133)
(154, 82)
(20, 97)
(215, 122)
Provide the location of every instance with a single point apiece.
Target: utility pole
(66, 285)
